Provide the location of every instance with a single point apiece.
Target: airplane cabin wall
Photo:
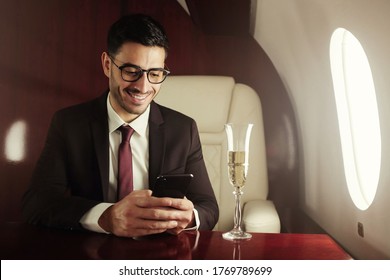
(296, 35)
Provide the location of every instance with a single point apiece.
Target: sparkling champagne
(237, 168)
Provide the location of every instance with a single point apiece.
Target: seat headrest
(199, 97)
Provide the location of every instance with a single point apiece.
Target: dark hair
(137, 28)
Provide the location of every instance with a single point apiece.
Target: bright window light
(358, 117)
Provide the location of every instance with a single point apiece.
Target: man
(75, 183)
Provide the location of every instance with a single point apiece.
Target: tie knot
(126, 131)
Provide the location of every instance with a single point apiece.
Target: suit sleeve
(48, 200)
(200, 191)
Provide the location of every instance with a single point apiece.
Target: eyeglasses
(132, 73)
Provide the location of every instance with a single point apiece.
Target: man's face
(130, 99)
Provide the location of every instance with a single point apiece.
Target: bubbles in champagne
(237, 168)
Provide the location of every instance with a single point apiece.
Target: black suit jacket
(74, 165)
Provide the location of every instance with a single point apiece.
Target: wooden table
(21, 241)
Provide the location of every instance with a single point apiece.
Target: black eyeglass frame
(141, 71)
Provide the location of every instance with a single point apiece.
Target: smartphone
(172, 185)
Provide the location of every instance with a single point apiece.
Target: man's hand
(186, 218)
(139, 214)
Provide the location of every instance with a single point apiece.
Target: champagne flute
(238, 136)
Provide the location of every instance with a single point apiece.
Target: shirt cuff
(90, 219)
(197, 221)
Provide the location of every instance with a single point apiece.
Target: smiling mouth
(136, 94)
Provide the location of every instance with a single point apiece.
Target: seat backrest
(213, 101)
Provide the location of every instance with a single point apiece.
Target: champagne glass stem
(237, 212)
(237, 233)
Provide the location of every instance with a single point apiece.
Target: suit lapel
(156, 143)
(99, 126)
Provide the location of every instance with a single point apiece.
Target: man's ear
(106, 64)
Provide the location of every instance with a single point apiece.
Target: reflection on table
(21, 241)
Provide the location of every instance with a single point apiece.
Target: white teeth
(139, 96)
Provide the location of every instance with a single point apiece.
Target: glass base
(236, 235)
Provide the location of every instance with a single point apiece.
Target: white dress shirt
(139, 142)
(140, 152)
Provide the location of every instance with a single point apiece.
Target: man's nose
(142, 84)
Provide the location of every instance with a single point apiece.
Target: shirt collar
(139, 125)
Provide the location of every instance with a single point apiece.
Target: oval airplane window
(358, 117)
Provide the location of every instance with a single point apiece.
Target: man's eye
(155, 74)
(130, 72)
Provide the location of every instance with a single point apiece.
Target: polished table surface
(21, 241)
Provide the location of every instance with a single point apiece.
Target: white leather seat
(214, 101)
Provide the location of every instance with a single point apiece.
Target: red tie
(125, 165)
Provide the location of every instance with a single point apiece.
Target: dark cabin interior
(51, 59)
